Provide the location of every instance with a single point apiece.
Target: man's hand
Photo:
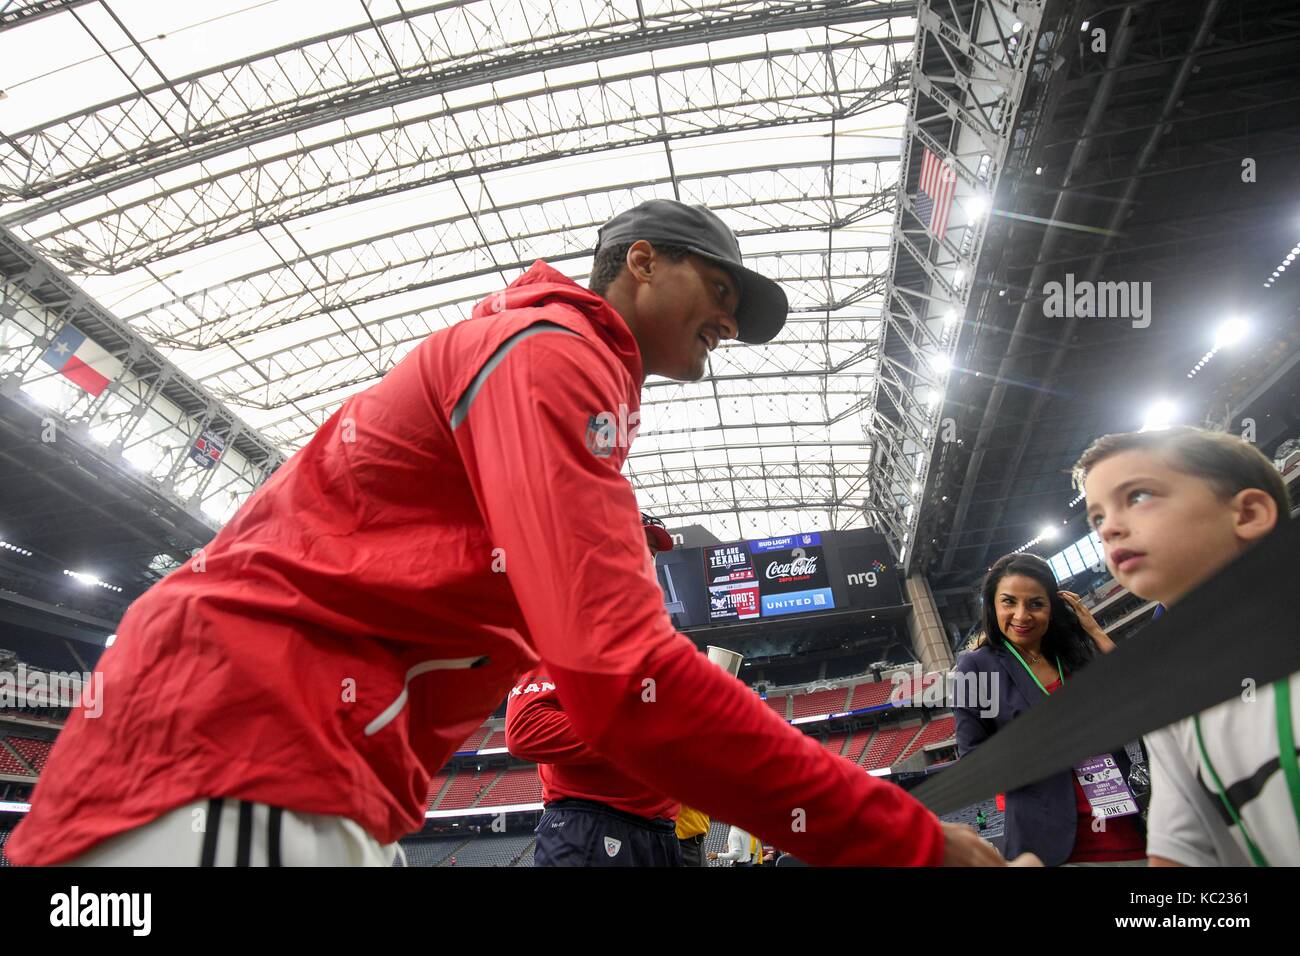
(713, 856)
(962, 846)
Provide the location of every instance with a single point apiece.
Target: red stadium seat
(517, 785)
(887, 745)
(35, 752)
(464, 789)
(821, 702)
(936, 731)
(870, 694)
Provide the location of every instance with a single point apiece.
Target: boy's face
(1164, 531)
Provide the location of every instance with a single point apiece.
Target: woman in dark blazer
(1034, 638)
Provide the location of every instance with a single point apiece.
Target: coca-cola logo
(801, 565)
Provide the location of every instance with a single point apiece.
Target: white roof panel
(288, 228)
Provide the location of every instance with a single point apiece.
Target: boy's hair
(1223, 461)
(610, 261)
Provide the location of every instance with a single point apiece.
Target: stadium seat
(870, 694)
(34, 751)
(821, 702)
(936, 731)
(517, 785)
(887, 745)
(464, 789)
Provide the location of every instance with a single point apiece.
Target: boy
(1172, 508)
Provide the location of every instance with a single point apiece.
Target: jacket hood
(542, 284)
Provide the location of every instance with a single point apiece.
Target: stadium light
(1159, 416)
(1230, 333)
(1049, 532)
(91, 581)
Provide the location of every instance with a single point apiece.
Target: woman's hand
(1104, 643)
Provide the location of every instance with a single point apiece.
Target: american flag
(934, 194)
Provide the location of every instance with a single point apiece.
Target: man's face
(685, 308)
(1164, 531)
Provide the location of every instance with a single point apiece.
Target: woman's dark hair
(1065, 637)
(610, 261)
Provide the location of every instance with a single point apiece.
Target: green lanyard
(1012, 648)
(1286, 755)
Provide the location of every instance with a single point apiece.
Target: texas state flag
(81, 361)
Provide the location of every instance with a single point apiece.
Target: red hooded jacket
(375, 600)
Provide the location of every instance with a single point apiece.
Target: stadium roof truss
(970, 64)
(284, 219)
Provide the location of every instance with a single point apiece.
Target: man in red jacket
(286, 695)
(596, 815)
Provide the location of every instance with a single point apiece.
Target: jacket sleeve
(636, 691)
(538, 729)
(972, 729)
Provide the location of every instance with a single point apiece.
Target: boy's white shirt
(1187, 822)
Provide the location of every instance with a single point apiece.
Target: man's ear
(641, 260)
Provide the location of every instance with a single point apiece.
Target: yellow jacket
(691, 823)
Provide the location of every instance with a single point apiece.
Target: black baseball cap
(763, 305)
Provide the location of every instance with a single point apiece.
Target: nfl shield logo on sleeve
(600, 436)
(612, 846)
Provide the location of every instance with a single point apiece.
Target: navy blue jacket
(1043, 817)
